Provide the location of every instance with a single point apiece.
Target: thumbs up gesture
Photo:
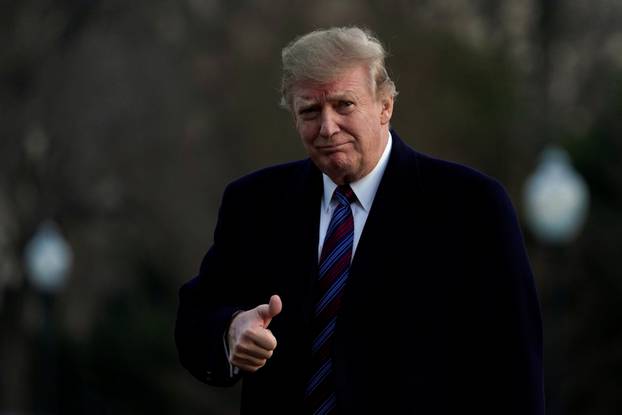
(251, 343)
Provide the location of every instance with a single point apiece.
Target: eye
(308, 113)
(345, 105)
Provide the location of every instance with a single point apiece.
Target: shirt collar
(364, 188)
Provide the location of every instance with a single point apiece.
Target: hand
(250, 342)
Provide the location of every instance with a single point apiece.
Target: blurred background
(122, 121)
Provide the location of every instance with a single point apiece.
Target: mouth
(332, 147)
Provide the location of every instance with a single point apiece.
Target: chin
(340, 173)
(337, 166)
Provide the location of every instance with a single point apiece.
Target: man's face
(342, 124)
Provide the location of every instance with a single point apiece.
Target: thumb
(275, 305)
(272, 309)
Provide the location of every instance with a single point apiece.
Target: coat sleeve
(208, 301)
(508, 357)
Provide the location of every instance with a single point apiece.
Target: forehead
(350, 82)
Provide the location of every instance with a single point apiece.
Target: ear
(386, 103)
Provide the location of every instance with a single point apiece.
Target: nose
(329, 124)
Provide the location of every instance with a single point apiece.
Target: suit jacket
(440, 313)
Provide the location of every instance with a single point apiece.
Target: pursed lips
(332, 146)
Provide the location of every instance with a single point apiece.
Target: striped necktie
(334, 269)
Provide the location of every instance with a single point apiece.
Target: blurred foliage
(123, 121)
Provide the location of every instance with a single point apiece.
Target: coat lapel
(390, 205)
(310, 194)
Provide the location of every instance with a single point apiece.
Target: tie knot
(344, 194)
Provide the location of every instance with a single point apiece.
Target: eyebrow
(305, 102)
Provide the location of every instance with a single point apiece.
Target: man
(368, 278)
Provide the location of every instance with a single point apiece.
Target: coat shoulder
(435, 176)
(273, 180)
(445, 171)
(440, 176)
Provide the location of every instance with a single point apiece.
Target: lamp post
(48, 260)
(556, 200)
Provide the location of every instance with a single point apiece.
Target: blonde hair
(320, 56)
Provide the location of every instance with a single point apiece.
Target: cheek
(307, 132)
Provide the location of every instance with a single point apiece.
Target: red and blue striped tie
(334, 269)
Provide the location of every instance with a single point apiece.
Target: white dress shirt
(365, 191)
